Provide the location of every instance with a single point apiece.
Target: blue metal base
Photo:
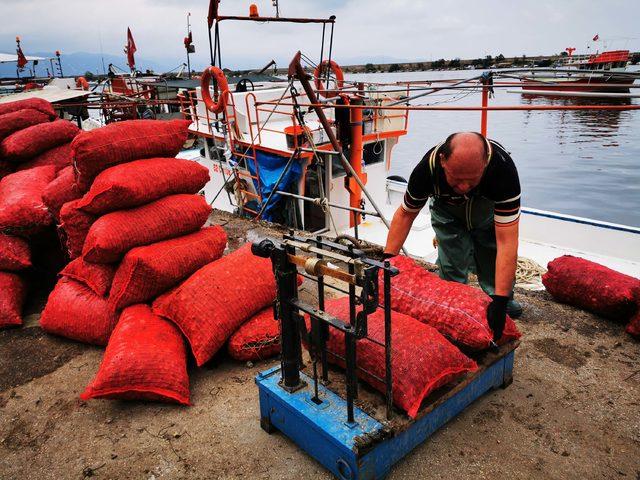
(322, 430)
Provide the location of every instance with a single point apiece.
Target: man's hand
(497, 315)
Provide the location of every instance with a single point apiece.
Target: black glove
(497, 315)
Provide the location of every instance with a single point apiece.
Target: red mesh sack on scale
(146, 272)
(591, 286)
(26, 144)
(96, 276)
(257, 339)
(123, 142)
(145, 360)
(423, 360)
(142, 181)
(12, 295)
(74, 311)
(457, 311)
(21, 207)
(114, 234)
(75, 225)
(19, 120)
(14, 253)
(60, 157)
(61, 190)
(211, 304)
(30, 103)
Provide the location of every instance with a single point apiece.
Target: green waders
(466, 240)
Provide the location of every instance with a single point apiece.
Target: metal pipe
(335, 205)
(295, 69)
(408, 99)
(387, 340)
(463, 108)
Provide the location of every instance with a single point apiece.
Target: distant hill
(80, 62)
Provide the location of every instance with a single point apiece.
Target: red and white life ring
(82, 83)
(221, 86)
(318, 73)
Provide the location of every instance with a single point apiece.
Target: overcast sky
(404, 29)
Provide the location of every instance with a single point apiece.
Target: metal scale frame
(347, 441)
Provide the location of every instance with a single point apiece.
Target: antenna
(275, 4)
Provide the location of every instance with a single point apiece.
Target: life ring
(221, 87)
(82, 83)
(337, 72)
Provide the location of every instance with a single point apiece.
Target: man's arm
(399, 230)
(506, 258)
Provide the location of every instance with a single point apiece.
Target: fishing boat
(315, 154)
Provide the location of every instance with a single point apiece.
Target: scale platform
(367, 449)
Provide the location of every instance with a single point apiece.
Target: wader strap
(432, 169)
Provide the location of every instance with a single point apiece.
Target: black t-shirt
(499, 183)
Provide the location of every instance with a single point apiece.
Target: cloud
(411, 29)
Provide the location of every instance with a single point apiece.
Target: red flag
(130, 49)
(22, 60)
(595, 39)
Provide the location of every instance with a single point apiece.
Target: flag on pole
(22, 60)
(595, 39)
(130, 49)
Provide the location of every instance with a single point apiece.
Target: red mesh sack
(21, 207)
(211, 304)
(12, 295)
(457, 311)
(14, 253)
(136, 183)
(145, 360)
(30, 103)
(26, 144)
(96, 276)
(257, 339)
(114, 234)
(123, 142)
(19, 120)
(75, 225)
(146, 272)
(60, 157)
(423, 360)
(74, 311)
(61, 190)
(591, 286)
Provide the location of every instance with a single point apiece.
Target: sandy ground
(573, 411)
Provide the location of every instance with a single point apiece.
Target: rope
(529, 273)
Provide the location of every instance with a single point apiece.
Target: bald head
(464, 158)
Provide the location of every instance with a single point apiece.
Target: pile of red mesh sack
(145, 360)
(423, 360)
(257, 339)
(457, 311)
(22, 209)
(592, 286)
(12, 295)
(136, 183)
(21, 119)
(146, 272)
(25, 144)
(212, 304)
(75, 311)
(29, 104)
(123, 142)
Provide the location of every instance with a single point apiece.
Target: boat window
(373, 153)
